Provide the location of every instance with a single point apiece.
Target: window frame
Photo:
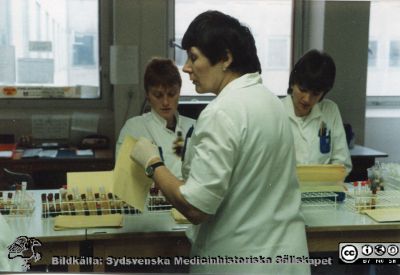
(106, 89)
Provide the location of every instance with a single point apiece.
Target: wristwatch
(149, 171)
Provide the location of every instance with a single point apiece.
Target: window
(277, 53)
(383, 76)
(270, 22)
(372, 53)
(394, 53)
(50, 49)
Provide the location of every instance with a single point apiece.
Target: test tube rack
(319, 199)
(157, 202)
(16, 203)
(366, 201)
(54, 204)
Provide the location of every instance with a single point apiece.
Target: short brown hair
(161, 71)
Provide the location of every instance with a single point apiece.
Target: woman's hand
(144, 152)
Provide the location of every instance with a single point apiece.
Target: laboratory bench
(158, 235)
(50, 173)
(362, 158)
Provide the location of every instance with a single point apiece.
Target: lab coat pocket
(325, 144)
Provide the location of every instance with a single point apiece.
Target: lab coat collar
(315, 111)
(242, 82)
(162, 121)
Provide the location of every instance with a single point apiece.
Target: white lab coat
(306, 139)
(7, 237)
(152, 126)
(242, 173)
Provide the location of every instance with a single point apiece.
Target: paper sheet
(384, 214)
(130, 182)
(178, 217)
(75, 222)
(6, 154)
(86, 152)
(82, 180)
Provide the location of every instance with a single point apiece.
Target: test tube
(356, 194)
(58, 204)
(9, 203)
(44, 206)
(98, 205)
(112, 204)
(85, 205)
(17, 198)
(118, 204)
(78, 206)
(52, 209)
(71, 204)
(90, 201)
(364, 193)
(105, 206)
(64, 203)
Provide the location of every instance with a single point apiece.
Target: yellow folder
(321, 178)
(75, 222)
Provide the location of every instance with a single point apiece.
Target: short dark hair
(315, 71)
(161, 71)
(215, 33)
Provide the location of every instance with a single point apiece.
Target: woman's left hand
(143, 152)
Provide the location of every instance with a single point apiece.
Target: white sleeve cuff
(200, 197)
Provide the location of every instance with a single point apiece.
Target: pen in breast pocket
(322, 130)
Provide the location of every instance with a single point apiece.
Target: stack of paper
(32, 153)
(321, 178)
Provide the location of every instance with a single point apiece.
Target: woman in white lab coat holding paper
(163, 124)
(240, 184)
(317, 126)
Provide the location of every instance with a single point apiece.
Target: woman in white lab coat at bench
(317, 126)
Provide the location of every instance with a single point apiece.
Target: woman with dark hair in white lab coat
(240, 184)
(317, 126)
